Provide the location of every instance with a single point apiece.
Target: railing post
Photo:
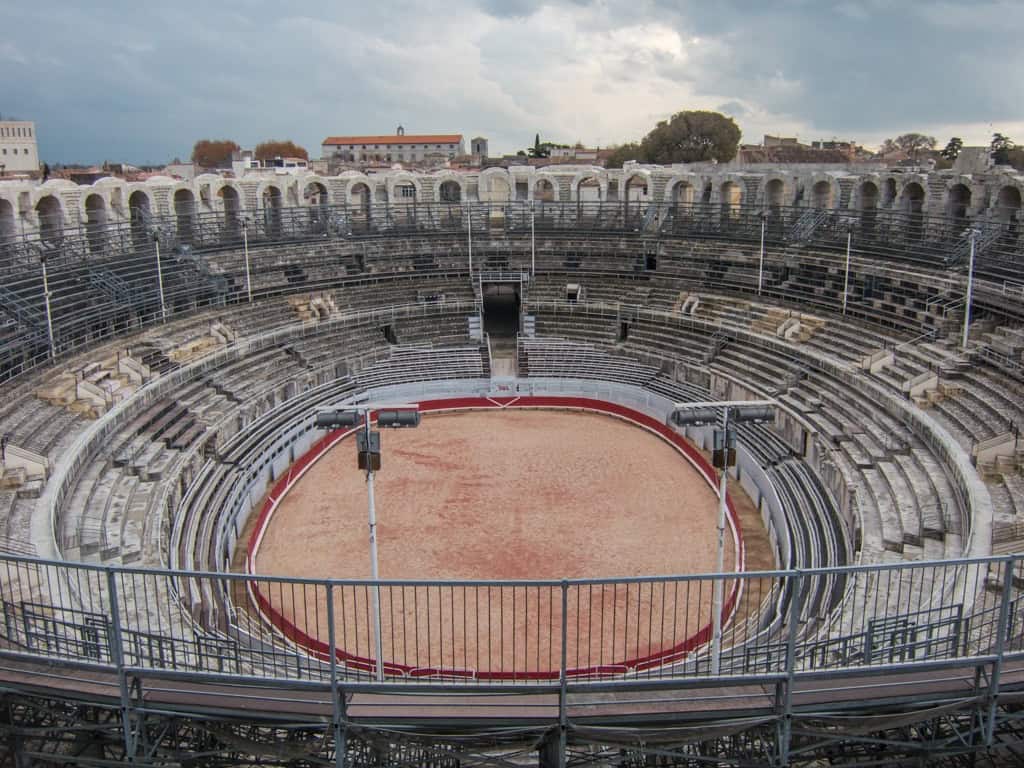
(117, 656)
(1000, 650)
(563, 678)
(786, 726)
(337, 695)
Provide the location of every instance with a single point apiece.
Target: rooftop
(441, 138)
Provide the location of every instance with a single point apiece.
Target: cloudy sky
(142, 81)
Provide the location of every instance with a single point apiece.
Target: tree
(216, 153)
(888, 147)
(1000, 149)
(268, 150)
(952, 150)
(622, 153)
(690, 137)
(538, 149)
(914, 143)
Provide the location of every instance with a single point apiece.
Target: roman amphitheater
(184, 573)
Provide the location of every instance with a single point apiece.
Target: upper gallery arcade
(27, 208)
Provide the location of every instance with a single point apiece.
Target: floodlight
(695, 417)
(408, 418)
(752, 413)
(338, 419)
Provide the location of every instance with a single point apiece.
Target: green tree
(1000, 148)
(952, 150)
(623, 153)
(914, 144)
(268, 150)
(690, 137)
(538, 149)
(213, 153)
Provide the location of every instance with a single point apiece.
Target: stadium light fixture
(973, 234)
(724, 456)
(389, 415)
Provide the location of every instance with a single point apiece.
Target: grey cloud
(142, 82)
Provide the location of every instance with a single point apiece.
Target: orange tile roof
(446, 138)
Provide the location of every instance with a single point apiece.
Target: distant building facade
(478, 148)
(399, 148)
(19, 152)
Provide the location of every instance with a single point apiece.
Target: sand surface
(510, 494)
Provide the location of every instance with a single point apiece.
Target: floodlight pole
(742, 415)
(349, 418)
(719, 585)
(469, 229)
(245, 244)
(160, 277)
(374, 570)
(760, 262)
(970, 292)
(533, 244)
(49, 313)
(846, 279)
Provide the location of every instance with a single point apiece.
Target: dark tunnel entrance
(501, 310)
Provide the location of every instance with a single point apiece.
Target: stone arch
(231, 205)
(404, 189)
(95, 222)
(360, 195)
(774, 194)
(7, 225)
(495, 186)
(1008, 205)
(868, 196)
(185, 212)
(138, 215)
(590, 186)
(449, 191)
(314, 194)
(912, 202)
(545, 189)
(637, 187)
(912, 198)
(50, 215)
(822, 195)
(958, 202)
(681, 190)
(316, 199)
(730, 195)
(271, 199)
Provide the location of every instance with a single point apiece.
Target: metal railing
(502, 632)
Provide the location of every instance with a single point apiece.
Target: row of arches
(960, 204)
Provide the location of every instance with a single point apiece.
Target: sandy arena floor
(506, 495)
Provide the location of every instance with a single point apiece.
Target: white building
(399, 148)
(19, 152)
